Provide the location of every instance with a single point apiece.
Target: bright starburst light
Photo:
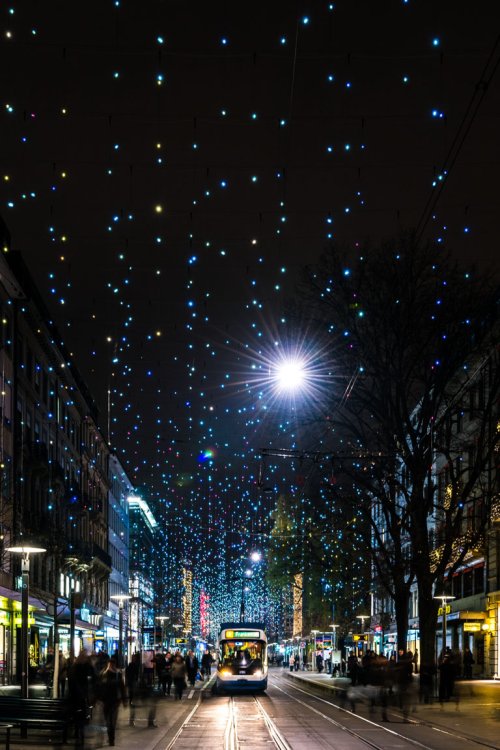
(290, 375)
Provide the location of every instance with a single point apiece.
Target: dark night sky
(273, 134)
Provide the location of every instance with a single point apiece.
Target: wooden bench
(48, 713)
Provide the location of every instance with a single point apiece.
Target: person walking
(81, 683)
(206, 665)
(62, 675)
(192, 667)
(446, 675)
(132, 674)
(319, 662)
(111, 692)
(179, 673)
(468, 661)
(415, 661)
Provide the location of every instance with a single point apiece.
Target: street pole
(120, 598)
(25, 585)
(25, 551)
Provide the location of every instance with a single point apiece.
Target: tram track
(390, 731)
(232, 735)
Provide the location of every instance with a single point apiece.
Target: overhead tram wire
(470, 114)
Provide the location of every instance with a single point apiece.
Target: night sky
(168, 167)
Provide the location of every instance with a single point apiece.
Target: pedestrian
(179, 673)
(468, 661)
(192, 667)
(111, 691)
(81, 684)
(160, 671)
(446, 675)
(62, 675)
(165, 676)
(291, 662)
(304, 660)
(319, 662)
(352, 668)
(149, 667)
(206, 665)
(415, 661)
(132, 674)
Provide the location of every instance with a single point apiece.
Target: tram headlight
(257, 673)
(225, 672)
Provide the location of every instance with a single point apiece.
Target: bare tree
(409, 334)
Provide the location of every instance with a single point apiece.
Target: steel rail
(412, 741)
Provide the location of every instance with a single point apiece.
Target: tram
(242, 657)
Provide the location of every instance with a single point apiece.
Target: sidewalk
(474, 713)
(170, 715)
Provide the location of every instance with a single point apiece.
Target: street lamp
(120, 598)
(25, 552)
(443, 598)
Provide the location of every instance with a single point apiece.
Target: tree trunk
(401, 607)
(427, 607)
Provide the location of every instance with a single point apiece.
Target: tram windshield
(242, 653)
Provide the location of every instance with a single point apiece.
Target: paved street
(303, 711)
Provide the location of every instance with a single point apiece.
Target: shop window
(468, 583)
(479, 580)
(456, 586)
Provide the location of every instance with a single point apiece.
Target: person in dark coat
(319, 662)
(352, 668)
(81, 685)
(446, 675)
(132, 675)
(111, 691)
(179, 673)
(191, 667)
(206, 664)
(468, 661)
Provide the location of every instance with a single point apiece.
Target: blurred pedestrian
(62, 675)
(352, 668)
(111, 691)
(192, 667)
(415, 661)
(319, 662)
(468, 661)
(179, 673)
(206, 665)
(447, 675)
(81, 685)
(132, 675)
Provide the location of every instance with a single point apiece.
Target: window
(37, 379)
(468, 583)
(479, 580)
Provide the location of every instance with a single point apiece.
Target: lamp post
(162, 619)
(120, 598)
(334, 644)
(25, 552)
(363, 618)
(444, 598)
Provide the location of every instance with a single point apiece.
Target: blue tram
(242, 657)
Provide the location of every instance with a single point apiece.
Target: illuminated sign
(472, 627)
(242, 634)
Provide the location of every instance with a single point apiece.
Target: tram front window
(242, 654)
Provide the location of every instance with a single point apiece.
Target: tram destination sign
(242, 633)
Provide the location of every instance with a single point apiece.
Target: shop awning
(15, 596)
(79, 624)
